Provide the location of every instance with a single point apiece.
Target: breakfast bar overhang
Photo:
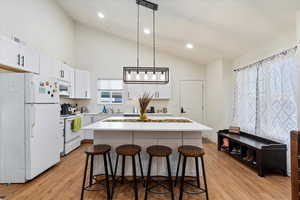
(169, 131)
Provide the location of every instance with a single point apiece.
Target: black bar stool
(92, 151)
(188, 151)
(159, 151)
(129, 150)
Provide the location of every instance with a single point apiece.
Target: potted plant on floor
(144, 102)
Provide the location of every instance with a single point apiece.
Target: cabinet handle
(23, 61)
(19, 59)
(85, 93)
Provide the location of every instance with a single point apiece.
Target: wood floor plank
(227, 180)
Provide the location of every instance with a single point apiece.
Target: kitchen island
(117, 131)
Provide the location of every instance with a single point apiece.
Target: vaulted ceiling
(217, 28)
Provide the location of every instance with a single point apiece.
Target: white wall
(41, 24)
(104, 56)
(219, 96)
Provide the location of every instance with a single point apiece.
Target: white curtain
(277, 87)
(265, 97)
(245, 99)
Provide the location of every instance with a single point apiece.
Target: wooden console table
(269, 156)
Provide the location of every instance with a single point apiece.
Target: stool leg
(114, 177)
(170, 178)
(123, 169)
(106, 177)
(84, 176)
(182, 178)
(110, 165)
(177, 171)
(116, 165)
(148, 177)
(141, 168)
(92, 170)
(197, 172)
(134, 178)
(204, 177)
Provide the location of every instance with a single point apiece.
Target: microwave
(64, 88)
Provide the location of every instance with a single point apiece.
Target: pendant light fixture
(146, 75)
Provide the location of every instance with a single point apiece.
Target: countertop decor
(151, 120)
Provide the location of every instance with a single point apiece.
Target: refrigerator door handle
(33, 110)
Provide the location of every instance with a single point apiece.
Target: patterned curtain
(265, 97)
(277, 88)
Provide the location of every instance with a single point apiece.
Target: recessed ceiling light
(101, 15)
(189, 46)
(147, 31)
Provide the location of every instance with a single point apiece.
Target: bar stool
(92, 151)
(188, 151)
(129, 150)
(159, 151)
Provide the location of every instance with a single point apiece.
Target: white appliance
(29, 126)
(64, 88)
(72, 138)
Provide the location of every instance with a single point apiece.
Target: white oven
(72, 138)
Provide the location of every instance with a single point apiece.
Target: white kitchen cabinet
(163, 91)
(65, 72)
(82, 84)
(157, 91)
(72, 83)
(18, 57)
(30, 59)
(134, 90)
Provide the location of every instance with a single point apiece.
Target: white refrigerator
(29, 126)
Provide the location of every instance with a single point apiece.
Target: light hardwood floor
(227, 180)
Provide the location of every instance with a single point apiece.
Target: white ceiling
(217, 28)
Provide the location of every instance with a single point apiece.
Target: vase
(143, 117)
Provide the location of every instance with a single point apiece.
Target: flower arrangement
(144, 102)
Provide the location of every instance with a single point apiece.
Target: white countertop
(146, 126)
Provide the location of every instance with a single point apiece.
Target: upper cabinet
(18, 57)
(65, 72)
(157, 91)
(82, 84)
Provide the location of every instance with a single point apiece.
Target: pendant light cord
(154, 42)
(138, 39)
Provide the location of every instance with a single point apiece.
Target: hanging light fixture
(144, 75)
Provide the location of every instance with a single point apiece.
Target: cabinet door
(82, 84)
(135, 90)
(151, 89)
(72, 83)
(164, 91)
(65, 72)
(10, 54)
(30, 60)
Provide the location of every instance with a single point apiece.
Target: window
(110, 92)
(265, 97)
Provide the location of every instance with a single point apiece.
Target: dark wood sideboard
(295, 164)
(269, 156)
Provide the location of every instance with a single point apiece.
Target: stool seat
(128, 149)
(159, 151)
(191, 151)
(98, 149)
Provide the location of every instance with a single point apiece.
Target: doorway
(192, 99)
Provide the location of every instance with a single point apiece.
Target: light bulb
(129, 76)
(146, 77)
(162, 76)
(154, 77)
(137, 76)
